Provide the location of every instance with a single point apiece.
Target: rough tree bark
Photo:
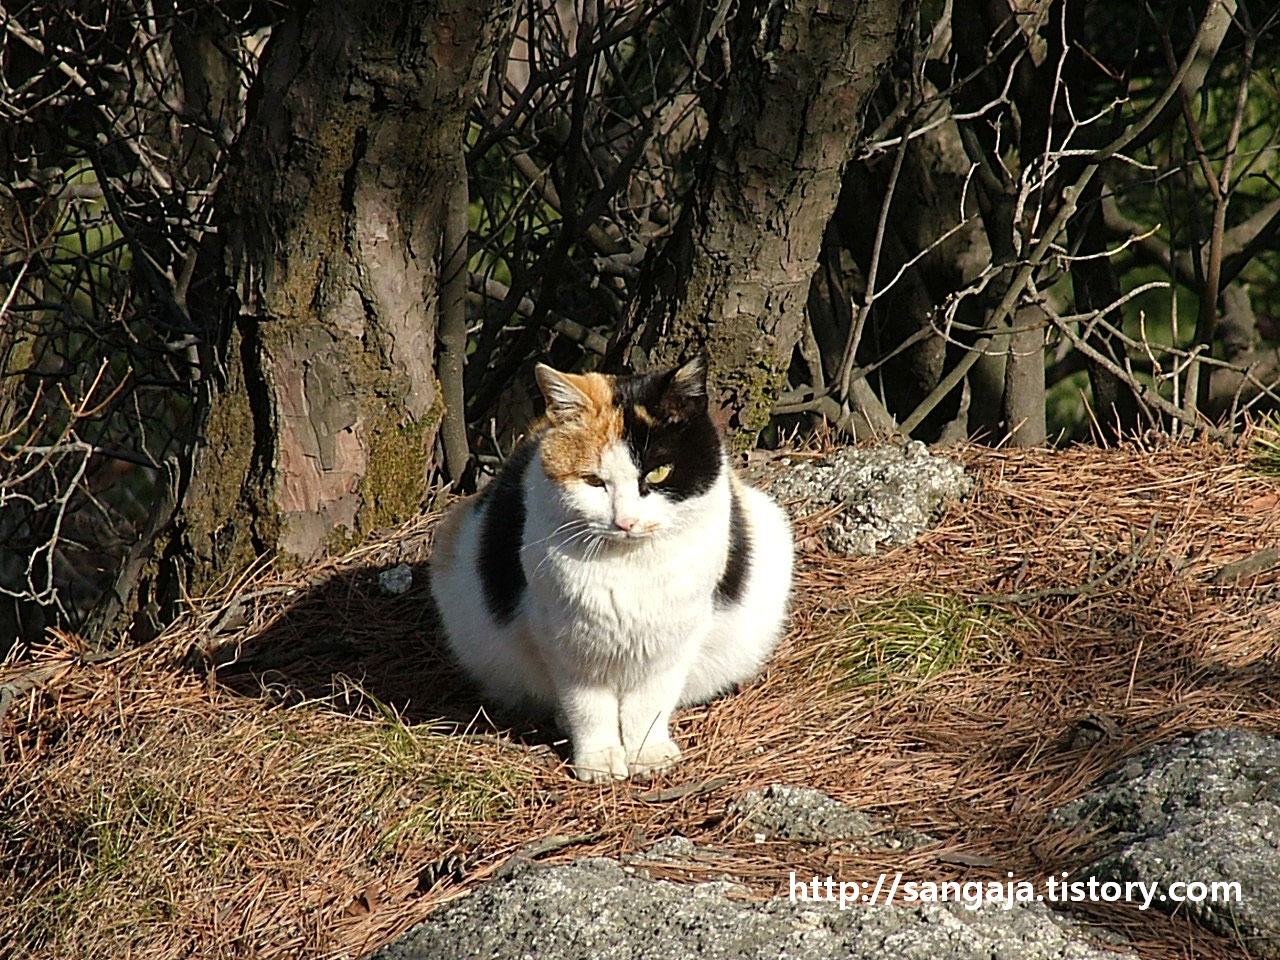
(735, 275)
(322, 289)
(1118, 409)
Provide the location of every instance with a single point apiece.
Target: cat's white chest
(620, 606)
(635, 591)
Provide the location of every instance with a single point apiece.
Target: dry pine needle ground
(293, 769)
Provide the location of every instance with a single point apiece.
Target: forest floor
(294, 770)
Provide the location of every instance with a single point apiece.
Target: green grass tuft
(1266, 446)
(910, 639)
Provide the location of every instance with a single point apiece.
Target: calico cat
(616, 568)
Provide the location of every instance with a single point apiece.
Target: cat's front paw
(654, 758)
(601, 766)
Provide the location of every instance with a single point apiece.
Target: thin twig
(1250, 566)
(859, 318)
(1109, 577)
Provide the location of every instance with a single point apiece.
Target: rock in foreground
(1202, 809)
(596, 910)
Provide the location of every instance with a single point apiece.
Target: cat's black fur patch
(502, 529)
(733, 580)
(676, 430)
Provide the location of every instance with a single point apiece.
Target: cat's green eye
(658, 474)
(592, 480)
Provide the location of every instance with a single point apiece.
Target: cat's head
(630, 455)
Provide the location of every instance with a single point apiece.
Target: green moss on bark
(395, 484)
(227, 512)
(755, 386)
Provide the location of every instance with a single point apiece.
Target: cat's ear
(686, 387)
(565, 401)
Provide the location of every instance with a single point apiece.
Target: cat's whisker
(569, 533)
(567, 525)
(582, 533)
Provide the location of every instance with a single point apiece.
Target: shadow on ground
(350, 645)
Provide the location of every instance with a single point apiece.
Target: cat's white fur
(618, 628)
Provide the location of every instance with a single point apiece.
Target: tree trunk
(1024, 391)
(1096, 286)
(735, 275)
(321, 405)
(927, 200)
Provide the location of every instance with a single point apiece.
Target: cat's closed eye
(658, 474)
(592, 480)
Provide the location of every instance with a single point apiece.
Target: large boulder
(1203, 810)
(598, 909)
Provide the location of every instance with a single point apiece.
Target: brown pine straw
(293, 768)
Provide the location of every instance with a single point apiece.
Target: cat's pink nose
(625, 523)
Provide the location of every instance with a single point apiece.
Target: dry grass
(293, 769)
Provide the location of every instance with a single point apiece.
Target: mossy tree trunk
(322, 288)
(786, 114)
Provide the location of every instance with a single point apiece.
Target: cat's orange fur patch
(572, 448)
(596, 387)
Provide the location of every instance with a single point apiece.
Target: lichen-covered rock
(799, 813)
(597, 910)
(1202, 809)
(674, 848)
(889, 495)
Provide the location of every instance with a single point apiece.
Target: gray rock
(396, 581)
(1200, 809)
(799, 813)
(597, 910)
(890, 495)
(674, 848)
